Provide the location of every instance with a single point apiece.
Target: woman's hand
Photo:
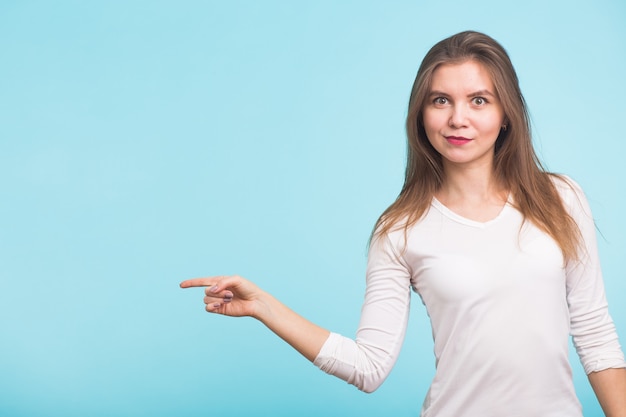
(228, 295)
(236, 296)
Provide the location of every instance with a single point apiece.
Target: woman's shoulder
(571, 193)
(565, 185)
(562, 180)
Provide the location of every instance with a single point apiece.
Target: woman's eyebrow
(483, 92)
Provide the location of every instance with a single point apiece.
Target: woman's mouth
(457, 140)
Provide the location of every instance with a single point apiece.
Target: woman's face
(462, 116)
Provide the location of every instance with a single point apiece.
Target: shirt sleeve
(367, 361)
(591, 326)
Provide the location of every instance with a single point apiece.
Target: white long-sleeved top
(502, 304)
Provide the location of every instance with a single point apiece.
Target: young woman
(502, 254)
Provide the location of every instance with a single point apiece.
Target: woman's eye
(479, 101)
(440, 101)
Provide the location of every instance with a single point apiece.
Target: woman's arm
(592, 328)
(364, 362)
(237, 297)
(610, 388)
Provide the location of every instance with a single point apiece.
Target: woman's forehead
(469, 75)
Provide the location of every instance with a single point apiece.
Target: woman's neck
(474, 193)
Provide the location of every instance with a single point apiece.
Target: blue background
(146, 142)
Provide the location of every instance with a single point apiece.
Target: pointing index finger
(197, 282)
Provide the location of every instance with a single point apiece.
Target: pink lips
(457, 140)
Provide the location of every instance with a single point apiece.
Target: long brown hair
(516, 165)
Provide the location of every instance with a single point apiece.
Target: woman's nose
(458, 116)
